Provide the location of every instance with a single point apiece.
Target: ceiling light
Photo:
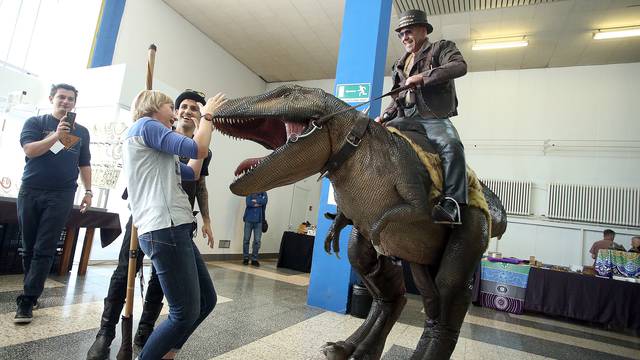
(502, 43)
(614, 33)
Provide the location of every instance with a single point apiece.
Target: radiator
(515, 195)
(596, 204)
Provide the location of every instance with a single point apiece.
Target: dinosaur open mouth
(272, 133)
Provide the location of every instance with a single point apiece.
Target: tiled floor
(262, 314)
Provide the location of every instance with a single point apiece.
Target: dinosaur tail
(497, 212)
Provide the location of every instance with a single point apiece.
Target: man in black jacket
(430, 69)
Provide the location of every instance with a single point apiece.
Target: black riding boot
(150, 313)
(100, 348)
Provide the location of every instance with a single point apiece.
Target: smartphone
(71, 118)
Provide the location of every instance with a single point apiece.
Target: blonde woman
(162, 213)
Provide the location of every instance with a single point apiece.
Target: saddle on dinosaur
(381, 185)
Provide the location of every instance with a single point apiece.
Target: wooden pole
(126, 348)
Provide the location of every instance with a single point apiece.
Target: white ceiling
(286, 40)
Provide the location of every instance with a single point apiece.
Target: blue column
(104, 42)
(363, 48)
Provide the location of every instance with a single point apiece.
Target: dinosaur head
(280, 120)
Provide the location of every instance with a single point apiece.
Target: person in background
(163, 216)
(606, 243)
(253, 216)
(635, 244)
(48, 188)
(188, 114)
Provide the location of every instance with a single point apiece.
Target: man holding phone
(49, 183)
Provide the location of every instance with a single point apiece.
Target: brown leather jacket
(438, 63)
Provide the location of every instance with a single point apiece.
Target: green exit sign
(353, 92)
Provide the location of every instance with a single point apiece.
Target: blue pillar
(104, 42)
(361, 61)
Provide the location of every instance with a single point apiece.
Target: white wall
(506, 117)
(186, 58)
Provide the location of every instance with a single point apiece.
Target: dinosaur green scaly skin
(383, 190)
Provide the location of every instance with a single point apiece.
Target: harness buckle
(353, 140)
(294, 138)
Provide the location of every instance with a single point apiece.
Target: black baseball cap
(190, 94)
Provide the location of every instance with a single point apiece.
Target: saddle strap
(353, 139)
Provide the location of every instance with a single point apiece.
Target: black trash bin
(360, 301)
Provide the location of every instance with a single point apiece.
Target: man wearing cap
(430, 68)
(188, 113)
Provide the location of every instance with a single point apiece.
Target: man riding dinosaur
(431, 68)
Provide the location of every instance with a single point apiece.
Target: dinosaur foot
(338, 350)
(345, 351)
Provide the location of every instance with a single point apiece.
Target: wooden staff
(126, 348)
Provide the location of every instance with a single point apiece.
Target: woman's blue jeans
(186, 284)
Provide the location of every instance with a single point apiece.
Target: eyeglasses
(199, 93)
(407, 32)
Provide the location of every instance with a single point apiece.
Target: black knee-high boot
(150, 313)
(110, 315)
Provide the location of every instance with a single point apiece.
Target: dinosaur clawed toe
(339, 350)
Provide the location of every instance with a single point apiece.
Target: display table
(618, 263)
(296, 251)
(108, 223)
(610, 302)
(503, 286)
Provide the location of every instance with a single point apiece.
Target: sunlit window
(47, 37)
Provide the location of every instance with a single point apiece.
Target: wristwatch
(88, 192)
(208, 117)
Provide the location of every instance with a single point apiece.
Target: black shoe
(446, 212)
(24, 313)
(255, 263)
(245, 262)
(100, 348)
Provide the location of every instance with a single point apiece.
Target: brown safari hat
(413, 17)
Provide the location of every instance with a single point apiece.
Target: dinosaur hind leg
(453, 285)
(385, 282)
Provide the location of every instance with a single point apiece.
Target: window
(47, 37)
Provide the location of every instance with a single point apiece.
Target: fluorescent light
(499, 43)
(616, 33)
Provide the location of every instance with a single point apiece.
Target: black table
(296, 251)
(589, 298)
(108, 223)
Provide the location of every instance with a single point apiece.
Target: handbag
(265, 224)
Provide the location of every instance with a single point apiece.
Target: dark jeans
(118, 286)
(444, 137)
(42, 215)
(186, 284)
(256, 228)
